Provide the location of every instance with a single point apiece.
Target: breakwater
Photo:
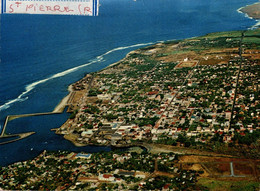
(20, 135)
(12, 117)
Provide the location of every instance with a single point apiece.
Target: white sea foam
(239, 9)
(246, 15)
(31, 86)
(257, 25)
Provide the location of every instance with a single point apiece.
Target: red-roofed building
(88, 179)
(106, 177)
(242, 134)
(166, 187)
(153, 93)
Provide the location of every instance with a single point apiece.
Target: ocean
(42, 54)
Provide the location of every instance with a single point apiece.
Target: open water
(42, 54)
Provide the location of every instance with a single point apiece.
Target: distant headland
(252, 10)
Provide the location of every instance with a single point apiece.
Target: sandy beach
(60, 107)
(63, 103)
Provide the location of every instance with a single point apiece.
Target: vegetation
(211, 184)
(73, 115)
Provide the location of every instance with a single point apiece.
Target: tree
(187, 143)
(73, 115)
(181, 138)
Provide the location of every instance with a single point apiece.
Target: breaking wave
(255, 26)
(31, 86)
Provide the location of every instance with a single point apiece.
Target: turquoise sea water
(42, 54)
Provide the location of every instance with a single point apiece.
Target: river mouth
(137, 149)
(77, 45)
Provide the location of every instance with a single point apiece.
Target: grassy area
(223, 34)
(253, 32)
(228, 34)
(175, 52)
(227, 39)
(251, 40)
(218, 185)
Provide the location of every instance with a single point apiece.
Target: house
(104, 97)
(116, 137)
(106, 177)
(182, 120)
(166, 187)
(71, 155)
(87, 133)
(158, 98)
(228, 114)
(139, 174)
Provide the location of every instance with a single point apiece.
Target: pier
(20, 136)
(67, 101)
(12, 117)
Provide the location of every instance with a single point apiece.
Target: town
(134, 169)
(178, 115)
(190, 92)
(113, 170)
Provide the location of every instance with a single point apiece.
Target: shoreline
(251, 11)
(115, 63)
(66, 129)
(83, 86)
(63, 103)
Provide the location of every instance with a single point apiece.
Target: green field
(217, 185)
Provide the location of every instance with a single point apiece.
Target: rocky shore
(252, 11)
